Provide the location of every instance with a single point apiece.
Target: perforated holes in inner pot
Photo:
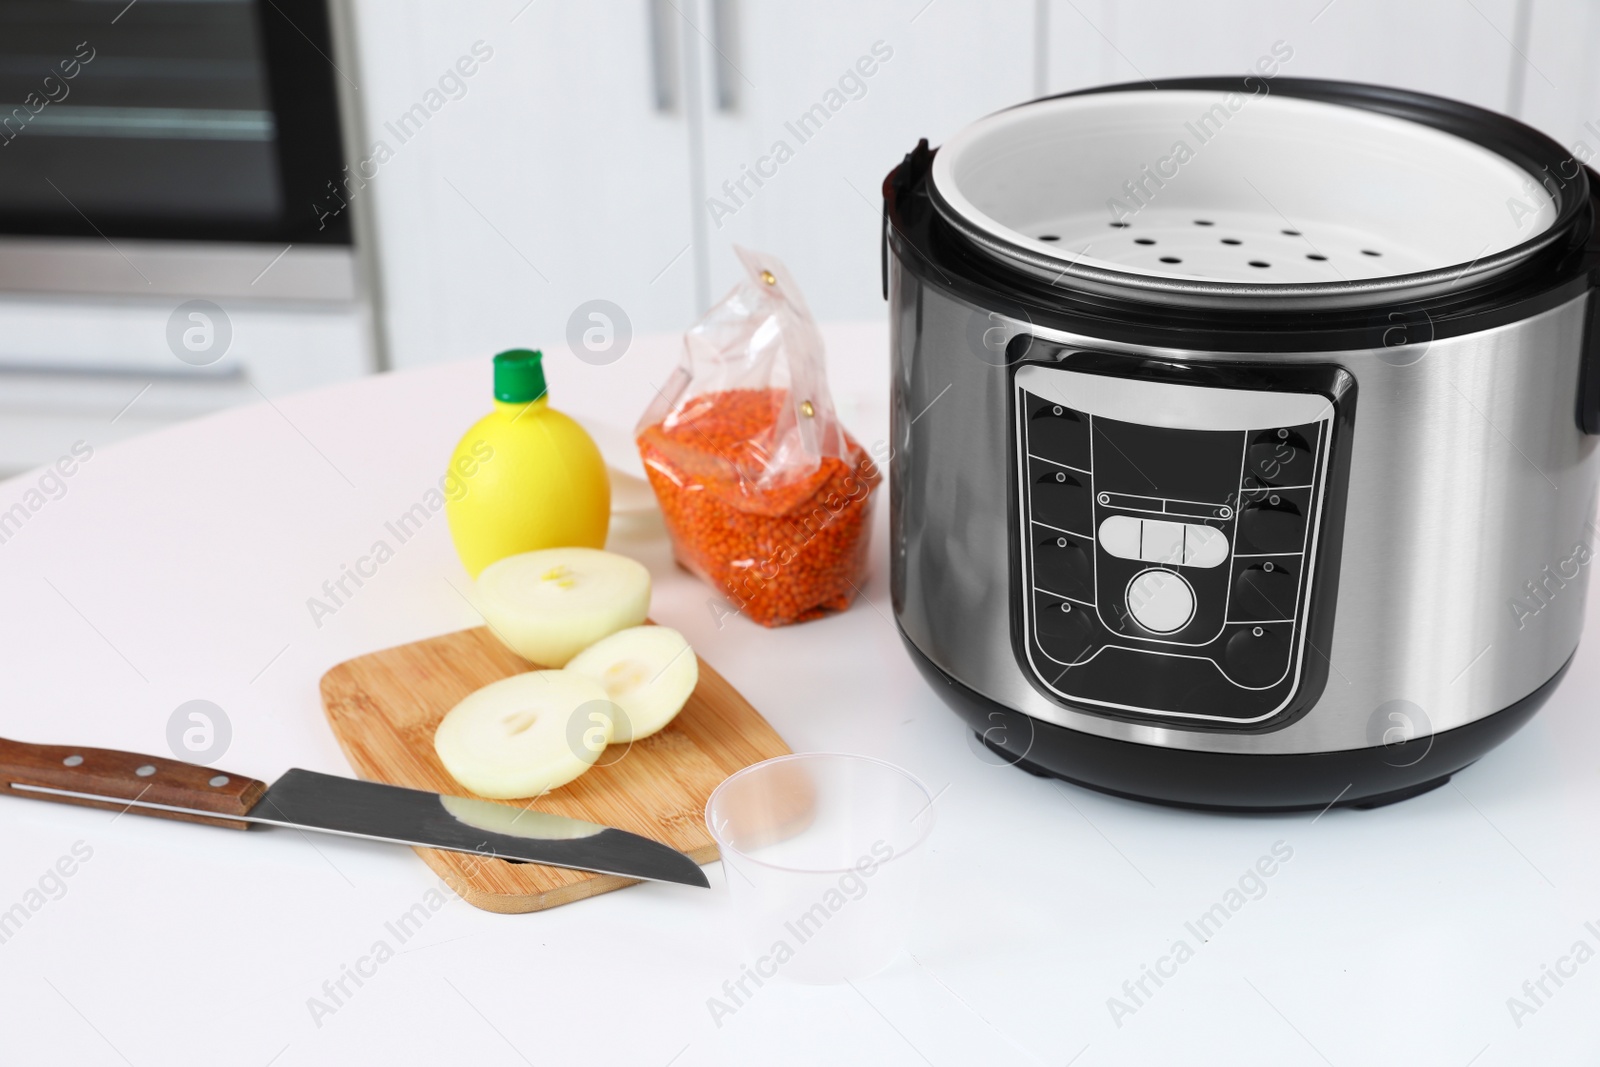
(1273, 191)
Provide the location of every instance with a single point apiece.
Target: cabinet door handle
(663, 55)
(725, 42)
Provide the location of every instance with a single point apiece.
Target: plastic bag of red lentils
(764, 493)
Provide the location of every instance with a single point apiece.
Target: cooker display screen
(1159, 462)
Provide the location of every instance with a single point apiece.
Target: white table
(177, 566)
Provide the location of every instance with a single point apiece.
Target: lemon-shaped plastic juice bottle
(525, 476)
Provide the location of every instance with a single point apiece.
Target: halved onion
(527, 734)
(550, 604)
(647, 670)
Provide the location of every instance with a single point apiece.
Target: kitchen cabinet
(1448, 47)
(556, 178)
(839, 93)
(544, 179)
(99, 370)
(617, 150)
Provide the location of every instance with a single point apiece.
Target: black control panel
(1167, 565)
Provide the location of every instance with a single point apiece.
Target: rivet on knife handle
(121, 778)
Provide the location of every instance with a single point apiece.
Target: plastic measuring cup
(823, 854)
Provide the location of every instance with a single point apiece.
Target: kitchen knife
(306, 800)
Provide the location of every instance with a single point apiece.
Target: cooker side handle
(1589, 375)
(1589, 359)
(889, 187)
(898, 183)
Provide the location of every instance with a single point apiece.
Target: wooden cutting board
(384, 707)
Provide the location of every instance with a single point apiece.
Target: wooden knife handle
(127, 777)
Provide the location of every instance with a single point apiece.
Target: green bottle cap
(519, 376)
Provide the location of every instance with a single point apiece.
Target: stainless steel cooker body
(1466, 534)
(1266, 561)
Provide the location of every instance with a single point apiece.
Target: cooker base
(1227, 781)
(1379, 800)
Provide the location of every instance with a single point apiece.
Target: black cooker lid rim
(925, 245)
(1564, 179)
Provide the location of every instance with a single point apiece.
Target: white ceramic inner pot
(1264, 189)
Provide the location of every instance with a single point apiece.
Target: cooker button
(1066, 630)
(1257, 655)
(1160, 600)
(1203, 546)
(1265, 589)
(1119, 535)
(1062, 565)
(1272, 524)
(1161, 542)
(1280, 457)
(1060, 498)
(1057, 432)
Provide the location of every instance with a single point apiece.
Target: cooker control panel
(1167, 538)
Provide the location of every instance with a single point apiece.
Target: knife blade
(325, 803)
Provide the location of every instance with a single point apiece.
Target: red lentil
(785, 553)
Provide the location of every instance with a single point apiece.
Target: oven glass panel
(177, 119)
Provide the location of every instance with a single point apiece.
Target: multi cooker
(1242, 449)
